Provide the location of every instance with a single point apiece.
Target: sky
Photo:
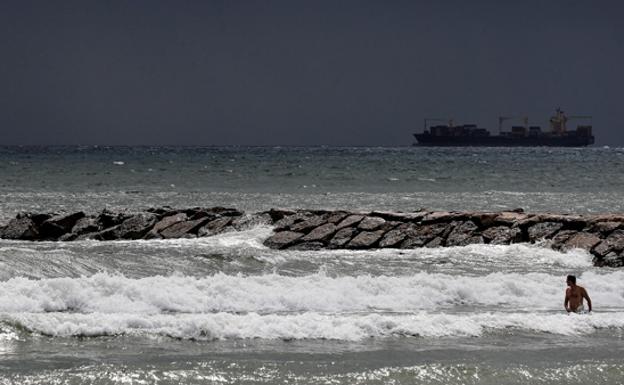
(344, 73)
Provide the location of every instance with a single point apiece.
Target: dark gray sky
(300, 72)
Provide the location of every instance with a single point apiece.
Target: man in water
(574, 297)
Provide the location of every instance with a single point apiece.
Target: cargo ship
(450, 134)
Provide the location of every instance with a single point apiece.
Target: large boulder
(54, 227)
(107, 218)
(342, 237)
(371, 223)
(321, 233)
(510, 218)
(543, 230)
(613, 243)
(400, 216)
(559, 240)
(282, 239)
(502, 235)
(215, 226)
(420, 235)
(463, 233)
(308, 224)
(165, 222)
(365, 239)
(23, 228)
(136, 226)
(350, 221)
(581, 240)
(184, 229)
(393, 238)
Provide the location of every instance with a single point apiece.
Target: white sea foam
(270, 293)
(349, 327)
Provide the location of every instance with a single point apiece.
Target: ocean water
(226, 309)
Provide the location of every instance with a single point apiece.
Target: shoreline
(602, 235)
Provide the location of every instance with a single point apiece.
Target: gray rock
(419, 235)
(394, 237)
(502, 235)
(349, 221)
(581, 240)
(136, 226)
(484, 219)
(286, 222)
(282, 239)
(164, 223)
(614, 242)
(399, 216)
(54, 227)
(184, 229)
(444, 216)
(365, 239)
(248, 221)
(605, 228)
(321, 233)
(613, 260)
(435, 242)
(216, 226)
(85, 225)
(308, 246)
(337, 216)
(20, 228)
(371, 223)
(107, 219)
(462, 234)
(510, 218)
(342, 237)
(278, 214)
(543, 230)
(559, 240)
(308, 224)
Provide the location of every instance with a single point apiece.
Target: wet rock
(349, 221)
(308, 246)
(23, 228)
(502, 235)
(279, 214)
(216, 226)
(184, 229)
(462, 234)
(85, 225)
(510, 217)
(399, 216)
(248, 221)
(484, 219)
(612, 260)
(308, 224)
(394, 237)
(104, 235)
(604, 228)
(136, 226)
(581, 240)
(165, 222)
(435, 242)
(614, 242)
(107, 219)
(543, 230)
(342, 237)
(54, 227)
(419, 235)
(371, 223)
(365, 239)
(337, 216)
(559, 240)
(286, 222)
(321, 233)
(282, 239)
(444, 216)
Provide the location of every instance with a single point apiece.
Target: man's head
(571, 280)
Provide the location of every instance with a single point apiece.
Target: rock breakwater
(601, 235)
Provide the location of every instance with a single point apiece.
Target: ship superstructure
(450, 134)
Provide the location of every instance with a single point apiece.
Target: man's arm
(586, 296)
(567, 299)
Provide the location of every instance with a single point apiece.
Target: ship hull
(501, 141)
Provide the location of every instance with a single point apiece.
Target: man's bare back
(574, 296)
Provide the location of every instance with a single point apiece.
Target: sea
(227, 310)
